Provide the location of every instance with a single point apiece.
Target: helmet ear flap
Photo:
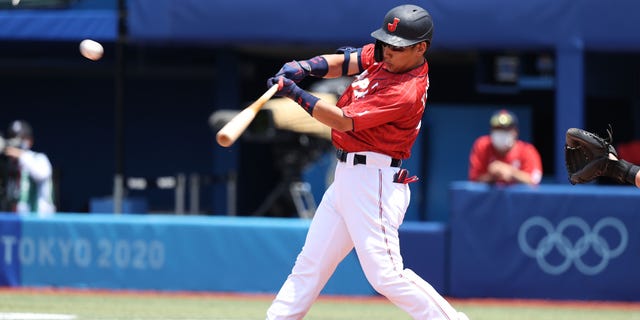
(377, 51)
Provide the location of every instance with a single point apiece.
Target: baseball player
(374, 125)
(500, 157)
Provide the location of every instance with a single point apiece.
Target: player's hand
(294, 70)
(286, 87)
(13, 152)
(500, 170)
(298, 70)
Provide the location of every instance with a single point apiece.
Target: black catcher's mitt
(587, 158)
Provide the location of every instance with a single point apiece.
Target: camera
(8, 171)
(13, 142)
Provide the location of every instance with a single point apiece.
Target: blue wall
(156, 252)
(449, 160)
(547, 242)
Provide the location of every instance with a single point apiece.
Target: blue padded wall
(450, 131)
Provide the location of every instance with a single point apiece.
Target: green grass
(131, 306)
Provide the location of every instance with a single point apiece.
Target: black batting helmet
(405, 25)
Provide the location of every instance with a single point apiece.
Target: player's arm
(522, 176)
(634, 168)
(332, 116)
(509, 173)
(325, 112)
(37, 164)
(337, 63)
(478, 169)
(344, 63)
(485, 177)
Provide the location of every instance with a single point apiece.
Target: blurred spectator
(501, 157)
(27, 183)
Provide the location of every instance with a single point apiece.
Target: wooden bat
(238, 124)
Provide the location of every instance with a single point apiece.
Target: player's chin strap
(377, 51)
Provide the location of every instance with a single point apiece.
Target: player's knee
(384, 283)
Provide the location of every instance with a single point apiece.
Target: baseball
(91, 50)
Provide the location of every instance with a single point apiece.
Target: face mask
(502, 140)
(18, 143)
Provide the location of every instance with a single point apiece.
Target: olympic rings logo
(555, 238)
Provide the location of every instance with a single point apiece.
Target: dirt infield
(614, 305)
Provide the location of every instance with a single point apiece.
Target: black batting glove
(288, 88)
(298, 70)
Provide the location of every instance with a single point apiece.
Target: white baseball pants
(362, 209)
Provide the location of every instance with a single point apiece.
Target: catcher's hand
(587, 155)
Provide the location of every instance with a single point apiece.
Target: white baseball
(91, 50)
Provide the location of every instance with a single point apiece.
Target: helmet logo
(392, 26)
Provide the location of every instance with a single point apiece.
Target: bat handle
(257, 105)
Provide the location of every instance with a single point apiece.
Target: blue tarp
(545, 242)
(58, 25)
(458, 24)
(465, 24)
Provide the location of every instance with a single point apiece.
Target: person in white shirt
(29, 185)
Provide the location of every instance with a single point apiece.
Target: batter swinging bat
(234, 128)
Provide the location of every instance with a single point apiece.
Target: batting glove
(288, 88)
(298, 70)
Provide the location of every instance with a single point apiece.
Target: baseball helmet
(503, 119)
(19, 129)
(404, 26)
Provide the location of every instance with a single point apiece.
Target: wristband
(622, 170)
(316, 66)
(305, 99)
(630, 177)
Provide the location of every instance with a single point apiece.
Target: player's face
(401, 59)
(503, 139)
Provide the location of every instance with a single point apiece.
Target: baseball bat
(238, 124)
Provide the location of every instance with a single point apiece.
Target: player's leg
(326, 245)
(374, 213)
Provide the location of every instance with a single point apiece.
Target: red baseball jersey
(523, 156)
(386, 108)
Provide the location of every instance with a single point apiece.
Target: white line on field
(35, 316)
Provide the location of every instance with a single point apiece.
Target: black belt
(362, 159)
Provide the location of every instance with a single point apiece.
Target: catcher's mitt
(587, 158)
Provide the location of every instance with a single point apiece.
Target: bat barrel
(234, 128)
(224, 139)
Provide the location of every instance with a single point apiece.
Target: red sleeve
(366, 57)
(478, 158)
(532, 162)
